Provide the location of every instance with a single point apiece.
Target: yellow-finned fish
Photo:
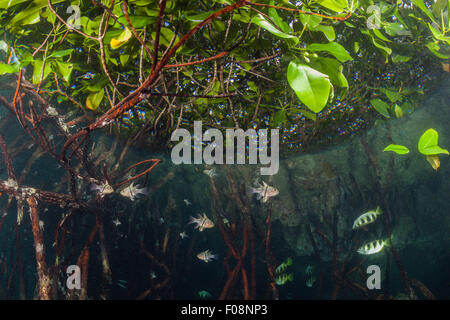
(367, 218)
(283, 266)
(283, 278)
(373, 247)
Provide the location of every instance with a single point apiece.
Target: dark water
(320, 195)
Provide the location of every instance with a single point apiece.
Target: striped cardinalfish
(202, 222)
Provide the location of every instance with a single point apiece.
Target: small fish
(122, 283)
(226, 222)
(367, 218)
(204, 294)
(153, 275)
(283, 266)
(202, 222)
(102, 189)
(132, 191)
(116, 222)
(183, 235)
(210, 173)
(373, 247)
(283, 278)
(310, 281)
(161, 220)
(264, 192)
(309, 270)
(206, 256)
(188, 203)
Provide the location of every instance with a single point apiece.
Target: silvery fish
(183, 235)
(367, 218)
(206, 256)
(310, 281)
(202, 222)
(102, 189)
(264, 192)
(373, 247)
(309, 270)
(204, 294)
(132, 191)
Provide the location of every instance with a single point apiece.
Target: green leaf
(30, 15)
(252, 86)
(428, 143)
(399, 149)
(64, 69)
(310, 21)
(328, 31)
(311, 86)
(263, 23)
(333, 48)
(381, 106)
(306, 113)
(279, 118)
(380, 35)
(3, 46)
(40, 74)
(94, 99)
(200, 17)
(273, 14)
(332, 68)
(393, 96)
(438, 34)
(398, 111)
(165, 36)
(438, 7)
(60, 53)
(420, 4)
(8, 68)
(335, 5)
(5, 4)
(434, 150)
(396, 29)
(377, 43)
(396, 58)
(124, 59)
(434, 48)
(138, 21)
